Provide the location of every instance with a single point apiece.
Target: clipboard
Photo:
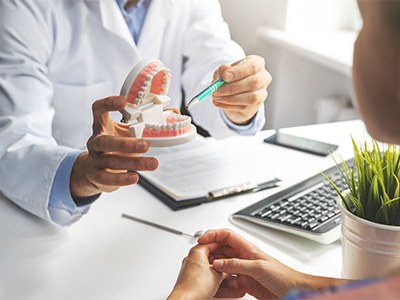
(211, 196)
(207, 170)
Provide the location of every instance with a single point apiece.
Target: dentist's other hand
(245, 89)
(111, 153)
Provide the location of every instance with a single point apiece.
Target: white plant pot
(368, 249)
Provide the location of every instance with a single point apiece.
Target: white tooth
(148, 126)
(175, 126)
(140, 94)
(169, 126)
(180, 125)
(163, 126)
(149, 77)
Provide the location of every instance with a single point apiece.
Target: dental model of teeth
(146, 88)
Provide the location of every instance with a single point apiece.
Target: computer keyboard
(307, 209)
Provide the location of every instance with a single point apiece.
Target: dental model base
(145, 89)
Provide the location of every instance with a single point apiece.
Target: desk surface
(104, 256)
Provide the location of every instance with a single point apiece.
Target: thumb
(221, 70)
(112, 103)
(237, 266)
(100, 109)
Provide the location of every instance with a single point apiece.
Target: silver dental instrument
(195, 235)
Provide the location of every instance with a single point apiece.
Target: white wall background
(298, 83)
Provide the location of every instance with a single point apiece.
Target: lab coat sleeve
(29, 155)
(207, 45)
(62, 207)
(250, 129)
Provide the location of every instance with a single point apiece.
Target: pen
(210, 89)
(242, 188)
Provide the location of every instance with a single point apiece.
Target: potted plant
(370, 211)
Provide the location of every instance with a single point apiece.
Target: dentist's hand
(245, 89)
(111, 153)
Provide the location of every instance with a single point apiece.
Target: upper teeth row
(147, 83)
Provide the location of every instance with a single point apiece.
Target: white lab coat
(57, 57)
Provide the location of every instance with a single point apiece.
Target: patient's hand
(258, 274)
(197, 279)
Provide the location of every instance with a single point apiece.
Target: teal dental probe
(205, 93)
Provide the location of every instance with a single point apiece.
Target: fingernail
(142, 146)
(152, 164)
(228, 76)
(133, 177)
(218, 263)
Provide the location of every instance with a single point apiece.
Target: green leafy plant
(373, 183)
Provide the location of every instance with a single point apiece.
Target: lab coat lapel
(114, 22)
(151, 37)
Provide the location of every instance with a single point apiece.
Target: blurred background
(308, 49)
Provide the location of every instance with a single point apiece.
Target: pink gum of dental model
(158, 84)
(145, 88)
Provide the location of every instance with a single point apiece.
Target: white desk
(104, 256)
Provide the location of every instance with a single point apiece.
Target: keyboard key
(323, 218)
(312, 225)
(304, 224)
(295, 221)
(310, 220)
(284, 218)
(275, 216)
(330, 215)
(275, 207)
(317, 215)
(284, 202)
(266, 213)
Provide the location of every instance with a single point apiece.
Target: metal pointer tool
(162, 227)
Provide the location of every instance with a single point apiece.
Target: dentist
(60, 147)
